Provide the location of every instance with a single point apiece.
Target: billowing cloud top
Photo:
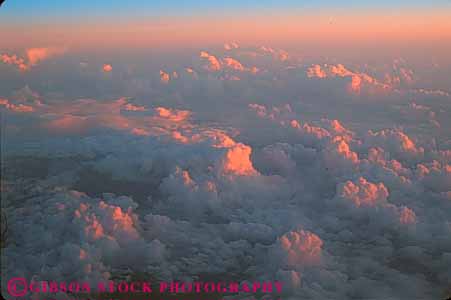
(332, 176)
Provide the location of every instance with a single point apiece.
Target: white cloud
(275, 176)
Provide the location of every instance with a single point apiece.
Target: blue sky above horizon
(49, 10)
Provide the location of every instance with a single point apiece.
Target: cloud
(357, 79)
(363, 193)
(316, 71)
(107, 68)
(237, 161)
(299, 249)
(213, 62)
(164, 77)
(33, 57)
(230, 46)
(107, 229)
(21, 108)
(132, 107)
(233, 63)
(36, 55)
(173, 114)
(227, 63)
(280, 175)
(435, 175)
(396, 142)
(407, 216)
(400, 74)
(278, 54)
(14, 60)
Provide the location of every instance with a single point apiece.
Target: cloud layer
(250, 162)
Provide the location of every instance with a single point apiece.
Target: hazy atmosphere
(307, 142)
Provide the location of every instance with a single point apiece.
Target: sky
(103, 8)
(307, 142)
(164, 24)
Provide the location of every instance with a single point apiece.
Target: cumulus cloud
(213, 62)
(363, 193)
(15, 107)
(357, 79)
(273, 176)
(14, 60)
(237, 160)
(33, 57)
(233, 63)
(172, 114)
(92, 237)
(230, 46)
(396, 142)
(132, 107)
(164, 77)
(400, 74)
(279, 54)
(107, 68)
(300, 248)
(226, 64)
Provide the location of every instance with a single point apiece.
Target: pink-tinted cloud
(400, 74)
(220, 139)
(173, 114)
(435, 175)
(164, 77)
(192, 73)
(216, 64)
(233, 64)
(302, 248)
(407, 216)
(430, 92)
(363, 193)
(132, 107)
(69, 124)
(277, 54)
(213, 62)
(107, 68)
(230, 46)
(358, 79)
(14, 60)
(16, 107)
(140, 131)
(338, 129)
(237, 161)
(84, 115)
(396, 142)
(33, 57)
(316, 71)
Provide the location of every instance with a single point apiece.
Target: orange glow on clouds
(407, 216)
(107, 68)
(303, 248)
(363, 192)
(164, 77)
(173, 114)
(339, 70)
(33, 57)
(214, 64)
(237, 161)
(16, 107)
